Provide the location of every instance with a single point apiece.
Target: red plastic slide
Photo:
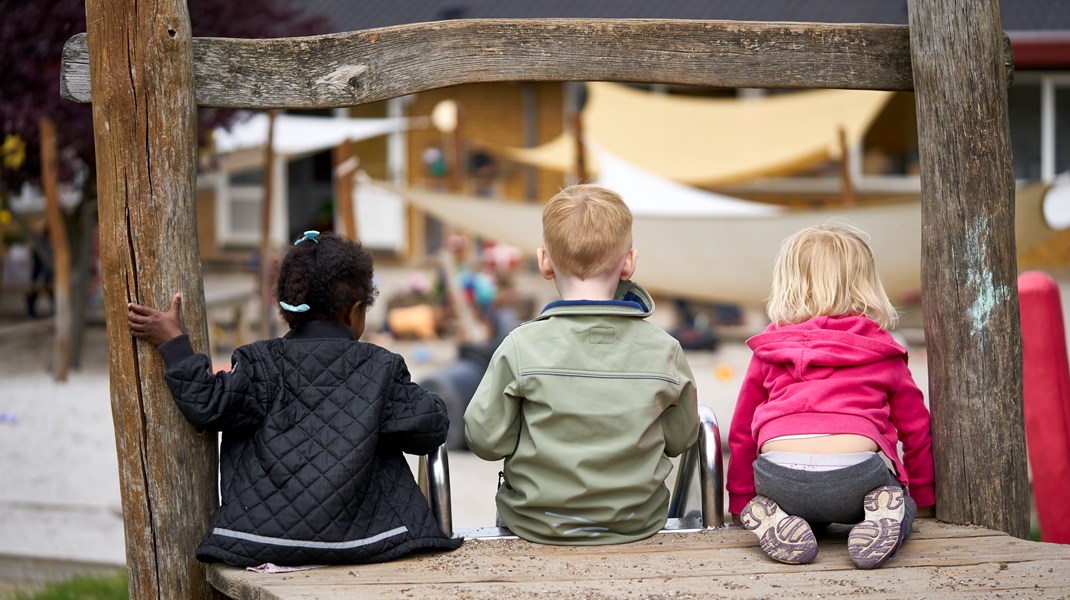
(1046, 377)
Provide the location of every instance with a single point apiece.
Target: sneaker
(876, 539)
(783, 537)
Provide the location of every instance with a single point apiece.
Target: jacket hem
(210, 552)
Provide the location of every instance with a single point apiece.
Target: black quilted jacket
(311, 466)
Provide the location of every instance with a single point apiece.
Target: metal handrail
(433, 471)
(705, 456)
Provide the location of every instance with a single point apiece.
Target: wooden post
(847, 182)
(61, 253)
(144, 121)
(446, 118)
(267, 248)
(456, 175)
(580, 147)
(345, 167)
(970, 291)
(417, 231)
(456, 161)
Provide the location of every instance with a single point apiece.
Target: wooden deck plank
(939, 560)
(1030, 580)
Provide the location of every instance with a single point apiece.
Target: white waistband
(815, 462)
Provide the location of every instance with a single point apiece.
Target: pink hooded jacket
(830, 375)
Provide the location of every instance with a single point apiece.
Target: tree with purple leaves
(32, 35)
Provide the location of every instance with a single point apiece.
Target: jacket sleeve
(414, 420)
(492, 420)
(911, 420)
(214, 402)
(680, 421)
(743, 447)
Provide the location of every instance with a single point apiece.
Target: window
(1039, 113)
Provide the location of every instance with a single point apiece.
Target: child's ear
(546, 268)
(629, 264)
(356, 311)
(355, 318)
(346, 318)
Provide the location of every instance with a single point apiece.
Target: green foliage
(83, 588)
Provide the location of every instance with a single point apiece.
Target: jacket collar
(630, 300)
(318, 330)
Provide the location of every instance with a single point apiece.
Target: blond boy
(587, 402)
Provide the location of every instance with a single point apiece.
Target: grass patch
(82, 588)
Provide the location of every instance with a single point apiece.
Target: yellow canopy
(713, 141)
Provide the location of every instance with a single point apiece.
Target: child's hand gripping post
(154, 326)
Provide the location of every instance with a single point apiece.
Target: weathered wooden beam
(970, 291)
(144, 122)
(348, 69)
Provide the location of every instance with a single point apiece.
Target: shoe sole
(785, 538)
(877, 538)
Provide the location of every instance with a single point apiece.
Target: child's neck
(595, 288)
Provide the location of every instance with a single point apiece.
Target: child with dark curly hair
(314, 423)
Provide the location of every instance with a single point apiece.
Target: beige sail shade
(727, 257)
(713, 141)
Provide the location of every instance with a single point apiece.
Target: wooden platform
(938, 560)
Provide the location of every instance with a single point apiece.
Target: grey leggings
(826, 496)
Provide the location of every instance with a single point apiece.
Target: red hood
(816, 346)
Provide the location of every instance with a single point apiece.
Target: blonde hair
(828, 270)
(586, 230)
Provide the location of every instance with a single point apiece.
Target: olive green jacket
(586, 403)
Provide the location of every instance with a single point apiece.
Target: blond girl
(825, 402)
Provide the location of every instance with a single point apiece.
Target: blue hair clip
(291, 308)
(308, 235)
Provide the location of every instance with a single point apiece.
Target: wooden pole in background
(267, 248)
(849, 198)
(61, 252)
(580, 147)
(345, 167)
(144, 122)
(968, 270)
